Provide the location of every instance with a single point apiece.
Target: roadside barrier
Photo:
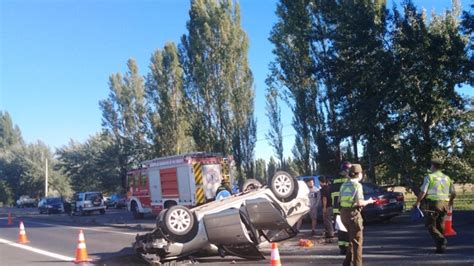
(22, 238)
(275, 257)
(81, 250)
(10, 220)
(448, 223)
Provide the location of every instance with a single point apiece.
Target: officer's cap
(437, 161)
(355, 169)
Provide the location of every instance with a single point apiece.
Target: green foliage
(273, 112)
(124, 118)
(218, 82)
(166, 104)
(385, 82)
(291, 37)
(92, 166)
(22, 166)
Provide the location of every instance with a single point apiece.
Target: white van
(87, 202)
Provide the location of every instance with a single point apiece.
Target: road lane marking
(90, 229)
(37, 250)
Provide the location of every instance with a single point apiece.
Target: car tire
(250, 185)
(136, 214)
(81, 211)
(102, 211)
(179, 223)
(284, 186)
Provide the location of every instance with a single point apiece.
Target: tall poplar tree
(291, 37)
(432, 60)
(273, 112)
(218, 82)
(124, 117)
(166, 104)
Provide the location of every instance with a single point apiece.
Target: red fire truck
(189, 179)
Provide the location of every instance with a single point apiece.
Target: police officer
(334, 189)
(352, 201)
(439, 192)
(225, 185)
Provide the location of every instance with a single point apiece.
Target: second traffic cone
(81, 250)
(10, 220)
(22, 238)
(448, 223)
(275, 256)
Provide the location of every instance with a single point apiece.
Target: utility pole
(46, 177)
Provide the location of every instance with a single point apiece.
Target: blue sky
(56, 57)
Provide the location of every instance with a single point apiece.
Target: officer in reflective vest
(352, 201)
(334, 189)
(439, 192)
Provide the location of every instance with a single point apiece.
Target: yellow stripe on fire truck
(197, 168)
(200, 196)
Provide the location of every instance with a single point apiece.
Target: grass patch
(463, 201)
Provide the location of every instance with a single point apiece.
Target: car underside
(235, 226)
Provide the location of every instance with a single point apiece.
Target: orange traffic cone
(81, 250)
(448, 223)
(22, 238)
(10, 220)
(275, 257)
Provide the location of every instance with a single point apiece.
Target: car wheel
(250, 185)
(81, 211)
(102, 211)
(136, 214)
(283, 186)
(179, 223)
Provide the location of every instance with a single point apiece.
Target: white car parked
(87, 202)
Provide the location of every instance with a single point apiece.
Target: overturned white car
(231, 226)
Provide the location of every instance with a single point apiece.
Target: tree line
(373, 85)
(364, 83)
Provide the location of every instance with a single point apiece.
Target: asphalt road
(109, 237)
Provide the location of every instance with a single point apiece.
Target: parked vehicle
(234, 225)
(116, 201)
(87, 202)
(189, 180)
(387, 204)
(26, 201)
(51, 205)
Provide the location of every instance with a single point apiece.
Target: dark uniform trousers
(352, 220)
(434, 221)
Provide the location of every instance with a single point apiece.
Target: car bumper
(381, 212)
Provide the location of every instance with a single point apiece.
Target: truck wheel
(284, 186)
(136, 214)
(179, 223)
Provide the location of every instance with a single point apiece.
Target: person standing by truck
(334, 189)
(327, 207)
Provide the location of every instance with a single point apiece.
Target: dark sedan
(116, 201)
(51, 205)
(387, 204)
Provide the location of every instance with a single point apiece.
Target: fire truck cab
(190, 179)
